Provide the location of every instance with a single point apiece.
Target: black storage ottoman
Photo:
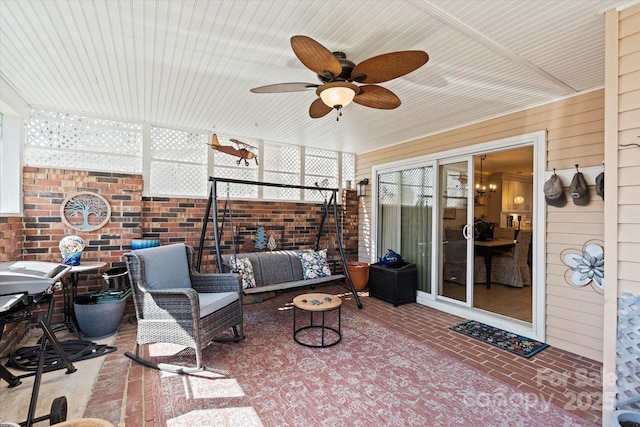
(394, 285)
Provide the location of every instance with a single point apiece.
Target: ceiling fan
(343, 81)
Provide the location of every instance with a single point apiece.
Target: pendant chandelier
(481, 189)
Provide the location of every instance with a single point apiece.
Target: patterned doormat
(517, 344)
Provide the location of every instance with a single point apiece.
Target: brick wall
(172, 220)
(11, 236)
(293, 225)
(44, 192)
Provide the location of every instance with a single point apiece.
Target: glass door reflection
(453, 230)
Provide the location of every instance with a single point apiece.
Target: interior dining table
(488, 247)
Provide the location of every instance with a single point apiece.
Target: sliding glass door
(426, 210)
(405, 218)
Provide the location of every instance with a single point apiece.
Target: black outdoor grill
(24, 285)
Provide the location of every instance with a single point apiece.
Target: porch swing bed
(278, 270)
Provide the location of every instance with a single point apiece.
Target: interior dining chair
(176, 304)
(504, 233)
(512, 268)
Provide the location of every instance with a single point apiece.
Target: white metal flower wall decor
(586, 266)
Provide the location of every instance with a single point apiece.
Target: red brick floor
(123, 394)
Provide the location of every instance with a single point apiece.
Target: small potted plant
(483, 229)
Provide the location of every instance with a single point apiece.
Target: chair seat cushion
(214, 301)
(166, 267)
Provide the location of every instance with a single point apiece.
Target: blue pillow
(166, 267)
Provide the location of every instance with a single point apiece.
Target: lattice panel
(628, 353)
(281, 158)
(320, 166)
(178, 145)
(281, 165)
(456, 190)
(85, 161)
(179, 179)
(417, 186)
(323, 182)
(178, 159)
(326, 165)
(72, 132)
(388, 188)
(71, 141)
(222, 159)
(237, 190)
(348, 168)
(281, 193)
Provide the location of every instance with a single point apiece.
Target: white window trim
(16, 113)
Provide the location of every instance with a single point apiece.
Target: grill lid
(33, 277)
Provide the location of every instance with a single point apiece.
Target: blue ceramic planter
(71, 258)
(71, 248)
(144, 243)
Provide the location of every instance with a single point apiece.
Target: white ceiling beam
(483, 40)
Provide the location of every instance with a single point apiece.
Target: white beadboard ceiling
(190, 64)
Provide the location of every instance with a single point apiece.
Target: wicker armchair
(176, 304)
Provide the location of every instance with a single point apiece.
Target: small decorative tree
(261, 238)
(272, 242)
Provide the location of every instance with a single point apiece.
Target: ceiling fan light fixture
(337, 94)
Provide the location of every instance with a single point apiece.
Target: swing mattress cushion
(277, 270)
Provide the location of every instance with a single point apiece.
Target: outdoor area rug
(516, 344)
(375, 376)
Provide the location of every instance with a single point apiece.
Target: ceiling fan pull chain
(339, 110)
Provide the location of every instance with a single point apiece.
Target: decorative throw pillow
(314, 264)
(245, 270)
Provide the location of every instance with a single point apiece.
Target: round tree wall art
(85, 211)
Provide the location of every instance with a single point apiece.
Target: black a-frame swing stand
(331, 204)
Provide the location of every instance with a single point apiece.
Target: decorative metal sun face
(586, 266)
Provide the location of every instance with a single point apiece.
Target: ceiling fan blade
(389, 66)
(377, 97)
(314, 56)
(284, 87)
(319, 109)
